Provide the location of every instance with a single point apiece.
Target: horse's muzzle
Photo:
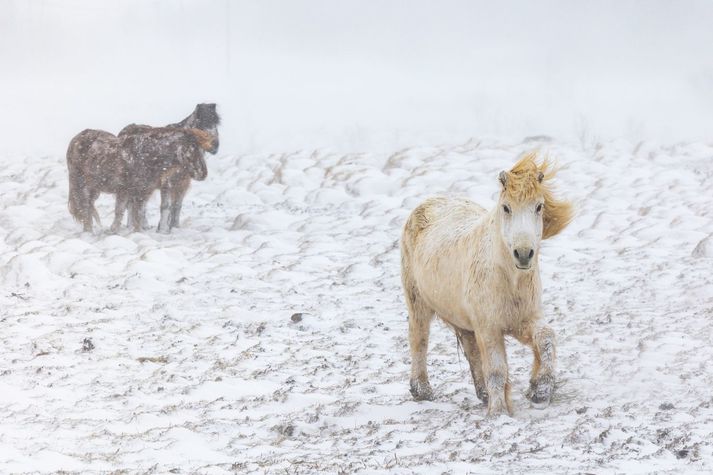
(523, 257)
(214, 146)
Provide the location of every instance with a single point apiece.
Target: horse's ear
(503, 177)
(540, 177)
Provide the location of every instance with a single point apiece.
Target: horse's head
(205, 117)
(528, 211)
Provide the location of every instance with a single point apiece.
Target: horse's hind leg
(542, 380)
(95, 214)
(472, 353)
(163, 224)
(419, 329)
(87, 209)
(122, 200)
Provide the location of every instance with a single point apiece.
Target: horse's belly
(445, 299)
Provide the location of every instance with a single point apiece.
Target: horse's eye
(506, 208)
(539, 208)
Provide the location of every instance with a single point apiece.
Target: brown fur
(202, 123)
(204, 139)
(95, 166)
(131, 167)
(166, 159)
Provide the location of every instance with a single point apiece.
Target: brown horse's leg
(542, 380)
(163, 223)
(144, 224)
(472, 353)
(178, 192)
(92, 199)
(122, 199)
(495, 372)
(419, 329)
(87, 207)
(135, 205)
(142, 214)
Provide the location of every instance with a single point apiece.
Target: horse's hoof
(421, 391)
(499, 409)
(540, 392)
(482, 394)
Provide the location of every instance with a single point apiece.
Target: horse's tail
(76, 181)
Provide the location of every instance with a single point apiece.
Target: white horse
(478, 271)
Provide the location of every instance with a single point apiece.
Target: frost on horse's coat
(131, 167)
(204, 118)
(478, 271)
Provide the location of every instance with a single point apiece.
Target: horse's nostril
(532, 253)
(517, 256)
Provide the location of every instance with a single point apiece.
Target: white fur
(458, 263)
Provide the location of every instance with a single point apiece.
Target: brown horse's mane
(526, 180)
(203, 138)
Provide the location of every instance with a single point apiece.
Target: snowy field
(269, 333)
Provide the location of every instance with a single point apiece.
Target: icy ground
(180, 353)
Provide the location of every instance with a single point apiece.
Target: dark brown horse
(132, 167)
(95, 166)
(204, 117)
(162, 158)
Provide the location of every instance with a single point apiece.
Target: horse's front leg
(178, 192)
(495, 372)
(164, 221)
(144, 224)
(542, 380)
(144, 221)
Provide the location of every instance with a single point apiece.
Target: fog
(356, 75)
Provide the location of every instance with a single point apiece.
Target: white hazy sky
(356, 75)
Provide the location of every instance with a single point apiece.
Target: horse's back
(90, 142)
(134, 129)
(442, 215)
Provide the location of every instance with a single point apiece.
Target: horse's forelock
(522, 183)
(528, 180)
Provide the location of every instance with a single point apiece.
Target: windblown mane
(203, 138)
(528, 179)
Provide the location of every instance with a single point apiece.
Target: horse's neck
(188, 122)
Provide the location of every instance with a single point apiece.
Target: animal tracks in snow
(197, 366)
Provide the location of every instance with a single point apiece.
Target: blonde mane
(526, 180)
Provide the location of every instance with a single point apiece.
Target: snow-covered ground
(269, 333)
